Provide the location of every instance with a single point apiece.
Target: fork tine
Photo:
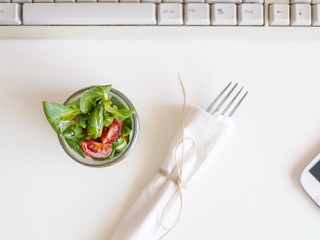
(217, 98)
(225, 99)
(230, 103)
(236, 107)
(233, 103)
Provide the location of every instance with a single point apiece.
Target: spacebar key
(89, 14)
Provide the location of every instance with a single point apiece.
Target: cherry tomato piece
(74, 118)
(111, 133)
(96, 149)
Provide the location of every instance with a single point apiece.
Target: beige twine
(176, 180)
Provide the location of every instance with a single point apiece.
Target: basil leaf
(95, 121)
(58, 115)
(90, 97)
(75, 145)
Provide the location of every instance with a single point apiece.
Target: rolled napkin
(155, 211)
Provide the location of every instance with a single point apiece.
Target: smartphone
(310, 179)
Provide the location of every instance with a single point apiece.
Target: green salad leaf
(73, 131)
(119, 114)
(120, 144)
(74, 105)
(58, 115)
(74, 144)
(91, 96)
(96, 121)
(82, 120)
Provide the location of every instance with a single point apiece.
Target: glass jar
(121, 99)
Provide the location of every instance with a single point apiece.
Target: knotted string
(176, 178)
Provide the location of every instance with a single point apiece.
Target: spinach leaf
(95, 121)
(75, 145)
(90, 97)
(58, 115)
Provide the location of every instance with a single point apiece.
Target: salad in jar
(96, 124)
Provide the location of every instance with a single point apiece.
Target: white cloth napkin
(204, 136)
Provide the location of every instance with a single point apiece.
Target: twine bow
(176, 175)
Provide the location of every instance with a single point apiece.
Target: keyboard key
(194, 1)
(172, 1)
(196, 14)
(223, 14)
(43, 1)
(151, 1)
(85, 1)
(224, 1)
(170, 14)
(105, 1)
(10, 14)
(128, 1)
(89, 14)
(279, 15)
(300, 1)
(253, 1)
(21, 1)
(64, 1)
(250, 14)
(316, 15)
(301, 15)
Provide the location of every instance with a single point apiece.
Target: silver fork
(216, 105)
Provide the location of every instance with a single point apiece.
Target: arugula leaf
(95, 121)
(75, 145)
(58, 115)
(90, 97)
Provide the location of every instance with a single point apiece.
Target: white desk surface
(250, 192)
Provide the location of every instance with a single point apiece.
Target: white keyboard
(157, 12)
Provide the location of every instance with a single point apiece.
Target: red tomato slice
(96, 149)
(111, 133)
(75, 118)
